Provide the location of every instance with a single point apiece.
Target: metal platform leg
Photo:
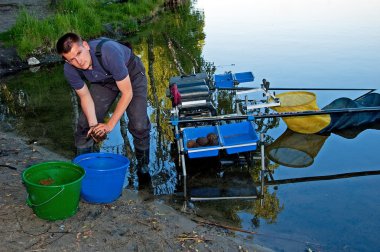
(262, 167)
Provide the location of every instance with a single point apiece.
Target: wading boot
(142, 157)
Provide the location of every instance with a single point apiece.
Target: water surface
(296, 43)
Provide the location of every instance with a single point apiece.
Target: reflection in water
(39, 106)
(229, 177)
(294, 149)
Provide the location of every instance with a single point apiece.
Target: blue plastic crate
(193, 134)
(238, 137)
(224, 80)
(244, 77)
(228, 80)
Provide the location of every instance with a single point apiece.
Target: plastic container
(105, 174)
(204, 151)
(244, 77)
(53, 189)
(224, 80)
(238, 137)
(229, 80)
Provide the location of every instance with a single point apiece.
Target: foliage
(31, 35)
(185, 28)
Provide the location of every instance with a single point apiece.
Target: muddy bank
(135, 222)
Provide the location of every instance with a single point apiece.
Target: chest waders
(141, 140)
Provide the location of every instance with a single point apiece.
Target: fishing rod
(329, 89)
(299, 89)
(369, 90)
(266, 88)
(276, 115)
(325, 177)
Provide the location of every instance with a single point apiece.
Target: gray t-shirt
(115, 58)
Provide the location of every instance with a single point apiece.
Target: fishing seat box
(193, 87)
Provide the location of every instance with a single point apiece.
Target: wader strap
(98, 54)
(81, 74)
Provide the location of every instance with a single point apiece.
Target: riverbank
(10, 62)
(29, 29)
(135, 222)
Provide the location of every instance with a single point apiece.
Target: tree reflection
(238, 179)
(40, 106)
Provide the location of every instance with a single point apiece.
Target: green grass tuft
(31, 35)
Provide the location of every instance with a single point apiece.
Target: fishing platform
(200, 132)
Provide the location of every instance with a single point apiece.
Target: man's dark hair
(65, 43)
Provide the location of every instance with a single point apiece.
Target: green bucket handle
(29, 203)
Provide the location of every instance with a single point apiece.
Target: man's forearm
(88, 109)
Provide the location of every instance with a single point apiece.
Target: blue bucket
(105, 174)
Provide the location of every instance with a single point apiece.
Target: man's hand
(99, 132)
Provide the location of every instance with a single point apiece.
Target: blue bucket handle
(29, 203)
(92, 157)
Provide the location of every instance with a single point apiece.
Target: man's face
(79, 56)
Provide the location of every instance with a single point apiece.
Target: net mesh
(302, 101)
(296, 150)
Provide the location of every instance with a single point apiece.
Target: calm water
(294, 43)
(314, 43)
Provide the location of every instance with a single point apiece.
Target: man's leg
(103, 97)
(139, 124)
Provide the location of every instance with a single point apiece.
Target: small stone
(33, 61)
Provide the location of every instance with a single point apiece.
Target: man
(112, 69)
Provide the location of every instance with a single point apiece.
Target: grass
(33, 36)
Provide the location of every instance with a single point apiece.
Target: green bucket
(53, 189)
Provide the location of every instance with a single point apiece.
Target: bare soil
(135, 222)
